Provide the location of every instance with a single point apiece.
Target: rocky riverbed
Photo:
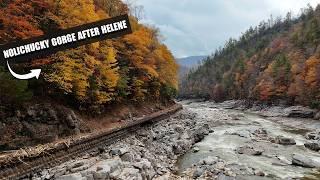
(208, 141)
(149, 153)
(254, 143)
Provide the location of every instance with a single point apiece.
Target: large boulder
(119, 151)
(317, 116)
(249, 150)
(198, 172)
(181, 146)
(80, 165)
(128, 173)
(242, 133)
(283, 160)
(315, 135)
(145, 168)
(315, 145)
(201, 132)
(284, 140)
(210, 160)
(301, 160)
(299, 111)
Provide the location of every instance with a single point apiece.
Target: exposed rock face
(39, 123)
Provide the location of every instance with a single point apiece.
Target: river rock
(284, 140)
(242, 133)
(300, 112)
(240, 169)
(127, 157)
(236, 116)
(118, 151)
(99, 174)
(145, 168)
(112, 163)
(273, 111)
(259, 173)
(284, 160)
(181, 146)
(80, 165)
(315, 146)
(249, 150)
(317, 116)
(76, 176)
(231, 104)
(210, 160)
(195, 149)
(201, 132)
(129, 173)
(301, 160)
(178, 128)
(198, 172)
(260, 131)
(315, 135)
(222, 176)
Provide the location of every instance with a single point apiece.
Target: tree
(312, 78)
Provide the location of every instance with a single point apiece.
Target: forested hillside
(83, 89)
(279, 60)
(133, 68)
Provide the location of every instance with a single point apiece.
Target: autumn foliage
(135, 67)
(279, 60)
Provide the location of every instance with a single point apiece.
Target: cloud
(193, 27)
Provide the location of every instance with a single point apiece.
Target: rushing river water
(275, 160)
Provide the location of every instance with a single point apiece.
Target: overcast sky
(198, 27)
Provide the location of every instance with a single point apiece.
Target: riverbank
(151, 152)
(40, 123)
(276, 110)
(206, 140)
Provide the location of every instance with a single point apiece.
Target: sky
(198, 27)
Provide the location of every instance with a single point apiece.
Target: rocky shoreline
(154, 151)
(150, 153)
(273, 110)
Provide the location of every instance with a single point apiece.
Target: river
(205, 140)
(250, 129)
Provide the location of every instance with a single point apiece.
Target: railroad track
(24, 168)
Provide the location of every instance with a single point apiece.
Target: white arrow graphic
(34, 73)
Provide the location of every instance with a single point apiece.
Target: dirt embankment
(46, 122)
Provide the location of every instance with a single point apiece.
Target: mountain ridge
(190, 61)
(279, 60)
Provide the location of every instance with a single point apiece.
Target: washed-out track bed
(23, 168)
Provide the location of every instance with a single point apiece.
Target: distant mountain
(190, 61)
(187, 63)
